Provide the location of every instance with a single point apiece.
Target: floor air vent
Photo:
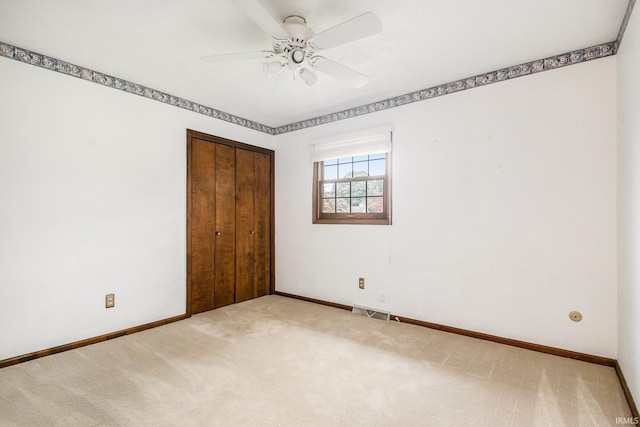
(371, 312)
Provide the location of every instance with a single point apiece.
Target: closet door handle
(252, 232)
(218, 233)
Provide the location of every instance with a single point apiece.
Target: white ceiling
(158, 43)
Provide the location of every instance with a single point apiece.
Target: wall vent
(371, 312)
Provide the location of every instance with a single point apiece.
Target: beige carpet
(275, 361)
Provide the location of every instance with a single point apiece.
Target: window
(353, 188)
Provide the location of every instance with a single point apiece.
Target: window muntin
(352, 190)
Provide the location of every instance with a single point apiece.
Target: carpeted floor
(276, 361)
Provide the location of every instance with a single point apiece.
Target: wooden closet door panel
(262, 224)
(245, 182)
(225, 214)
(201, 225)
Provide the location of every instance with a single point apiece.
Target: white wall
(629, 205)
(92, 201)
(504, 210)
(504, 202)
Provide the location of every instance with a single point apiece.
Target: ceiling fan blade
(357, 28)
(240, 56)
(263, 17)
(339, 71)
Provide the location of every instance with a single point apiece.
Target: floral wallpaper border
(83, 73)
(528, 68)
(625, 21)
(537, 66)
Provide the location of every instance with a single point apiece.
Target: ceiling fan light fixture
(309, 77)
(273, 67)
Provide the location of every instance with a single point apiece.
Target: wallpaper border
(60, 66)
(625, 21)
(503, 74)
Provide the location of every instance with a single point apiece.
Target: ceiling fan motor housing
(296, 27)
(295, 48)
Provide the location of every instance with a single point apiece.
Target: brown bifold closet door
(212, 225)
(253, 225)
(229, 222)
(201, 225)
(262, 240)
(225, 213)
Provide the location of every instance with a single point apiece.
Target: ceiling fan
(296, 46)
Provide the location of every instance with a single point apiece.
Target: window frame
(320, 217)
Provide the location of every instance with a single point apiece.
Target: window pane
(331, 162)
(360, 158)
(342, 205)
(360, 169)
(377, 156)
(328, 190)
(343, 189)
(357, 204)
(346, 170)
(375, 205)
(345, 160)
(328, 205)
(376, 167)
(375, 187)
(331, 172)
(358, 188)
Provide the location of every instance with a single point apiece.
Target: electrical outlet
(110, 300)
(576, 316)
(361, 282)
